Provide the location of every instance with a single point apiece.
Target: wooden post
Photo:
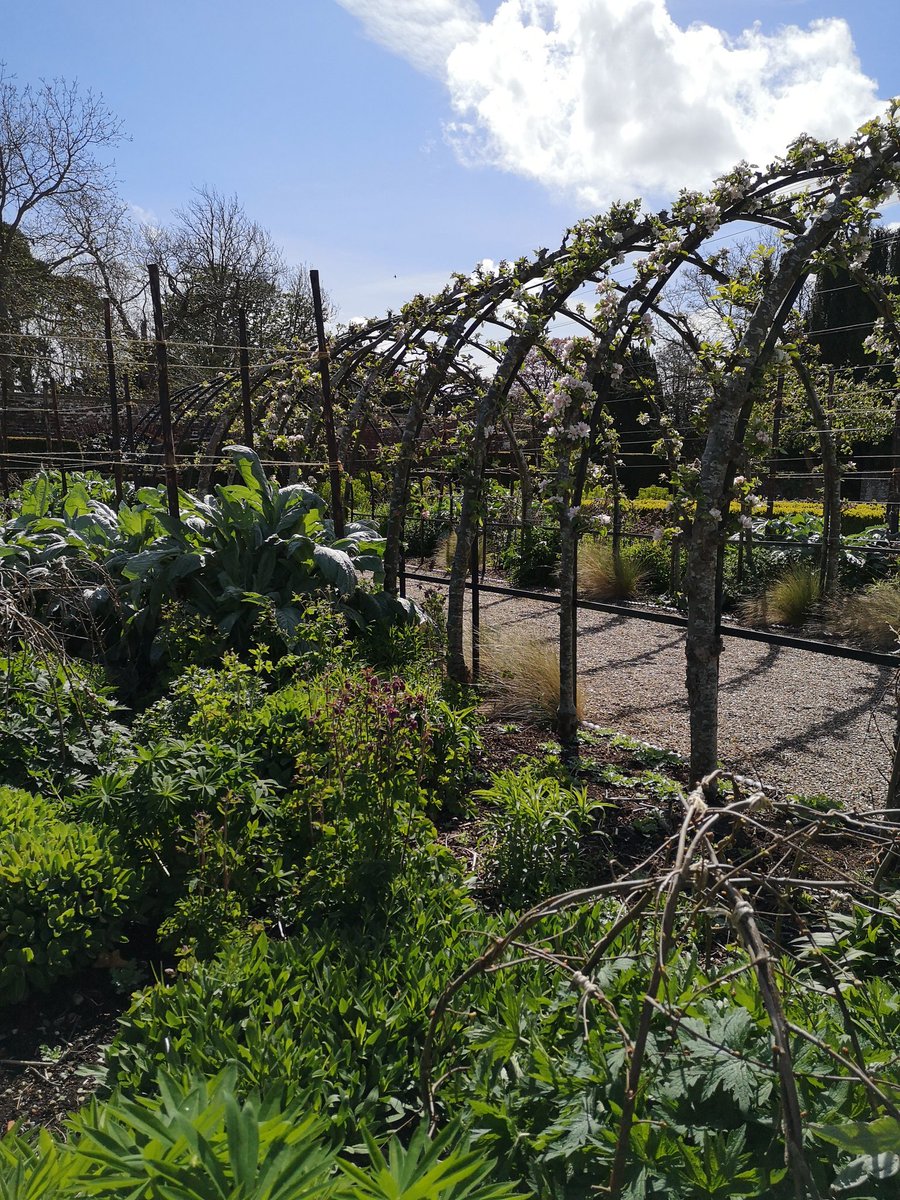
(129, 415)
(45, 413)
(165, 405)
(776, 436)
(4, 439)
(476, 607)
(113, 400)
(244, 361)
(64, 483)
(334, 466)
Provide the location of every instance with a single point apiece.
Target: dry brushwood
(693, 875)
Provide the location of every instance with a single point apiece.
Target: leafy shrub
(64, 891)
(604, 576)
(311, 794)
(56, 721)
(790, 600)
(520, 675)
(871, 618)
(651, 560)
(533, 559)
(532, 845)
(250, 548)
(338, 1012)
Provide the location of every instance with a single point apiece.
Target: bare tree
(215, 260)
(51, 178)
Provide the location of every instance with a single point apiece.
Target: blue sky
(390, 142)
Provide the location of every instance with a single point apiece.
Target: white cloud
(610, 98)
(422, 31)
(143, 216)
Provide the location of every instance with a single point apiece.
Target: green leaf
(336, 568)
(252, 473)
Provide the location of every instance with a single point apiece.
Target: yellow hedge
(873, 514)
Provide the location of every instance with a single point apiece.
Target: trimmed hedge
(64, 890)
(854, 517)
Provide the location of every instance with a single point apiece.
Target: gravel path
(798, 721)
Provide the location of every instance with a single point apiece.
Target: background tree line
(67, 239)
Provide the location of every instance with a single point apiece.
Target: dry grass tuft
(520, 674)
(871, 618)
(445, 550)
(603, 577)
(790, 600)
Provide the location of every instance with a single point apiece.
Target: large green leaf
(252, 473)
(38, 493)
(337, 569)
(77, 501)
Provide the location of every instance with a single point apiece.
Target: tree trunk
(399, 495)
(704, 643)
(831, 484)
(567, 715)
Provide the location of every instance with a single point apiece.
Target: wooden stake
(59, 439)
(129, 415)
(334, 466)
(165, 405)
(113, 400)
(4, 439)
(244, 361)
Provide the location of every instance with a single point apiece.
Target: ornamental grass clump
(520, 675)
(603, 575)
(872, 617)
(445, 550)
(792, 599)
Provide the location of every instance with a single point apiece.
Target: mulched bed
(636, 821)
(46, 1045)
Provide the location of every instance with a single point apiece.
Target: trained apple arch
(821, 197)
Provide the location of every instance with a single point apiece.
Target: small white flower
(657, 533)
(643, 418)
(572, 513)
(739, 479)
(716, 514)
(745, 522)
(604, 519)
